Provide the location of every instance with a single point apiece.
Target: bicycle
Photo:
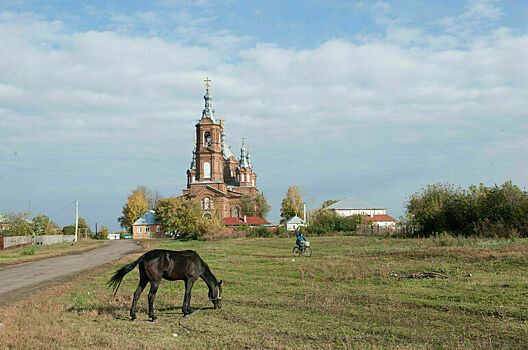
(305, 251)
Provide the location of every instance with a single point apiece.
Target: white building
(294, 223)
(353, 206)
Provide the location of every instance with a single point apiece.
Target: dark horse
(171, 265)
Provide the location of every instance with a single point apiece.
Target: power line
(63, 209)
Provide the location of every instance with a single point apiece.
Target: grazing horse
(171, 265)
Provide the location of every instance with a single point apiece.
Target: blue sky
(367, 99)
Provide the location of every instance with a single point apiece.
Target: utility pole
(76, 219)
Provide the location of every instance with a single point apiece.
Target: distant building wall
(21, 241)
(147, 231)
(349, 212)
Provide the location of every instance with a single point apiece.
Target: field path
(19, 280)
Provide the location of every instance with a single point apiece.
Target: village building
(216, 179)
(353, 206)
(251, 221)
(294, 223)
(147, 227)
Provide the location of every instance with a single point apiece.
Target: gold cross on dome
(207, 80)
(222, 123)
(243, 140)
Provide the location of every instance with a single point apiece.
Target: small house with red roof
(251, 221)
(382, 220)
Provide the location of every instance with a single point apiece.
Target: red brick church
(216, 178)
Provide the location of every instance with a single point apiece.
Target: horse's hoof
(153, 319)
(133, 318)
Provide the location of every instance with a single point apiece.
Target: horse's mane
(207, 271)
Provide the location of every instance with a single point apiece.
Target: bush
(327, 223)
(208, 227)
(498, 211)
(260, 232)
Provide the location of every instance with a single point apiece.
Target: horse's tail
(118, 276)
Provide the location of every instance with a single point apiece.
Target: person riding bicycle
(300, 240)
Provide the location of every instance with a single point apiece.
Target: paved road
(22, 279)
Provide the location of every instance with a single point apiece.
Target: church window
(147, 229)
(242, 178)
(192, 179)
(206, 203)
(202, 203)
(207, 215)
(235, 212)
(207, 139)
(207, 170)
(140, 229)
(212, 204)
(253, 182)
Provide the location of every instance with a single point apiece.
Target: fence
(388, 231)
(21, 241)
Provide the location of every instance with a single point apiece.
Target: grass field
(23, 254)
(342, 297)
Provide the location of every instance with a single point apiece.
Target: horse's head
(215, 294)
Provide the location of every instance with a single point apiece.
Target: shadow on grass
(120, 313)
(178, 308)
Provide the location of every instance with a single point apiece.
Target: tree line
(22, 224)
(181, 216)
(496, 211)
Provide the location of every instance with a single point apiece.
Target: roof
(250, 220)
(352, 203)
(378, 218)
(148, 218)
(294, 220)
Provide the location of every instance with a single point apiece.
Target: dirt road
(19, 280)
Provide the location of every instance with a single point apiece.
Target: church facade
(216, 179)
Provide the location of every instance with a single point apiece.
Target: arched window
(207, 170)
(235, 212)
(207, 215)
(207, 139)
(206, 203)
(253, 182)
(202, 203)
(242, 178)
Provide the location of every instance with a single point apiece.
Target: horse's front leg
(186, 307)
(152, 294)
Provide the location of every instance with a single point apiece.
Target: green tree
(292, 204)
(68, 230)
(42, 225)
(254, 205)
(136, 206)
(103, 232)
(178, 215)
(18, 224)
(328, 203)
